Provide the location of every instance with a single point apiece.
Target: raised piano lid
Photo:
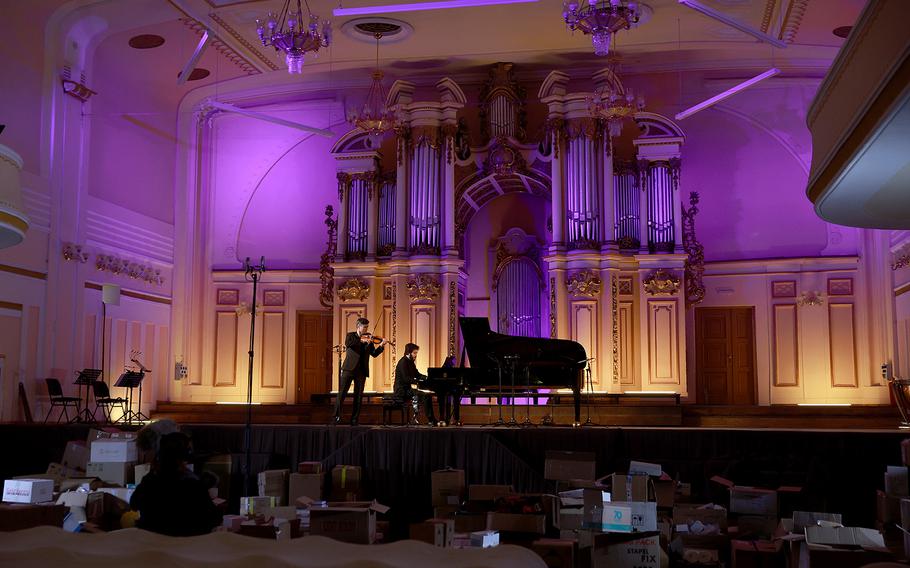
(481, 343)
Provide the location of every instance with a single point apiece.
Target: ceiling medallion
(601, 19)
(286, 32)
(374, 118)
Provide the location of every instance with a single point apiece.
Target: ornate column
(556, 132)
(449, 245)
(344, 186)
(402, 182)
(643, 236)
(608, 212)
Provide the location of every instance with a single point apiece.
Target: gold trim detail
(661, 283)
(11, 306)
(132, 294)
(423, 287)
(353, 289)
(584, 284)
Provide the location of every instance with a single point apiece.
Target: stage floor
(663, 413)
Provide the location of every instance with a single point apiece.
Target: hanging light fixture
(286, 32)
(374, 117)
(600, 19)
(614, 103)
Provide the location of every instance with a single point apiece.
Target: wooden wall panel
(785, 345)
(272, 361)
(584, 330)
(423, 326)
(163, 360)
(843, 345)
(225, 349)
(118, 351)
(390, 355)
(90, 344)
(664, 346)
(626, 343)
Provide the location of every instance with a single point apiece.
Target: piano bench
(392, 404)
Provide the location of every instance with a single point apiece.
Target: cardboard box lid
(730, 485)
(803, 519)
(353, 506)
(646, 468)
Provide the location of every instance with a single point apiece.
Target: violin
(375, 339)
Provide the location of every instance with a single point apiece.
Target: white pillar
(401, 194)
(372, 214)
(449, 246)
(557, 201)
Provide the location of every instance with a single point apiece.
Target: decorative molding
(23, 272)
(227, 297)
(516, 245)
(353, 289)
(453, 316)
(625, 285)
(386, 292)
(326, 272)
(105, 230)
(902, 261)
(136, 271)
(840, 286)
(224, 49)
(614, 314)
(810, 298)
(74, 252)
(273, 298)
(783, 289)
(695, 263)
(423, 287)
(766, 18)
(661, 283)
(584, 284)
(553, 328)
(796, 11)
(501, 82)
(503, 159)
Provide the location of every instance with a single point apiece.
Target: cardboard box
(470, 522)
(564, 466)
(645, 468)
(140, 471)
(517, 522)
(438, 532)
(120, 473)
(555, 553)
(896, 482)
(219, 465)
(611, 518)
(309, 467)
(105, 510)
(845, 547)
(28, 490)
(447, 486)
(274, 483)
(445, 512)
(749, 500)
(62, 472)
(346, 482)
(305, 485)
(121, 450)
(76, 455)
(644, 514)
(353, 522)
(488, 492)
(255, 505)
(755, 527)
(665, 493)
(803, 519)
(887, 507)
(484, 539)
(570, 519)
(756, 554)
(702, 518)
(630, 487)
(20, 516)
(625, 551)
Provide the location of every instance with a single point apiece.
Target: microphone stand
(252, 273)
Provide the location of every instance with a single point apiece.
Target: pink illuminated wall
(271, 186)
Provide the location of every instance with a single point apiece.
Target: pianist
(406, 378)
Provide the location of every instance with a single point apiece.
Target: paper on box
(114, 450)
(609, 552)
(28, 490)
(644, 514)
(485, 539)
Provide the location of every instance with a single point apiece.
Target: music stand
(86, 378)
(130, 380)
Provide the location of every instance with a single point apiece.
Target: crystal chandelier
(601, 19)
(374, 118)
(613, 106)
(286, 32)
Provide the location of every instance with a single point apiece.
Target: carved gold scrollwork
(326, 272)
(661, 283)
(423, 287)
(344, 183)
(695, 264)
(353, 289)
(453, 316)
(584, 284)
(614, 313)
(553, 328)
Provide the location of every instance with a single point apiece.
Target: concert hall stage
(838, 469)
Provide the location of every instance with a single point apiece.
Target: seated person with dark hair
(406, 375)
(171, 500)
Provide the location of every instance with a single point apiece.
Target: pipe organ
(607, 268)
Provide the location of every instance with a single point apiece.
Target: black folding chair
(55, 391)
(105, 401)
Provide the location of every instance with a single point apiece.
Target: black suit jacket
(357, 355)
(406, 374)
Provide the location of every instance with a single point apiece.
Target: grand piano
(497, 360)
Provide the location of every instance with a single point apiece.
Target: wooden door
(314, 354)
(725, 356)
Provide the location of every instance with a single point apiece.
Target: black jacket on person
(175, 504)
(406, 375)
(357, 355)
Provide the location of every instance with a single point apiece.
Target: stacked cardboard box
(351, 521)
(346, 483)
(113, 460)
(274, 483)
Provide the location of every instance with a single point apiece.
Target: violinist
(359, 345)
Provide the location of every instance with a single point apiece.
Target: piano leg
(576, 395)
